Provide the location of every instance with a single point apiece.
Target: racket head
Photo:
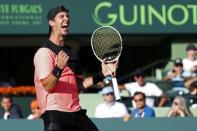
(106, 43)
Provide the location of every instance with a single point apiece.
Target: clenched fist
(109, 68)
(62, 59)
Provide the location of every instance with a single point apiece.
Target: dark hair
(138, 72)
(193, 84)
(139, 93)
(6, 97)
(178, 61)
(53, 12)
(191, 46)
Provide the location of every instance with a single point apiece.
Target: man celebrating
(58, 79)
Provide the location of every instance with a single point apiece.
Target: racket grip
(116, 89)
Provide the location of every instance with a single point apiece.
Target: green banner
(128, 16)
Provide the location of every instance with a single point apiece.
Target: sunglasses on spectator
(138, 100)
(108, 94)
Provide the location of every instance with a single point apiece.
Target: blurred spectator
(35, 110)
(179, 108)
(190, 63)
(193, 94)
(6, 80)
(142, 110)
(178, 77)
(110, 108)
(9, 110)
(148, 88)
(192, 86)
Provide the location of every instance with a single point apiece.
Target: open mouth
(65, 28)
(64, 24)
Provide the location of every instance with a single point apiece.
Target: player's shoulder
(43, 54)
(43, 51)
(44, 48)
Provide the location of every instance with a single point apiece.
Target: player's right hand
(62, 59)
(109, 68)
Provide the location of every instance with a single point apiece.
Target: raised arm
(52, 79)
(88, 82)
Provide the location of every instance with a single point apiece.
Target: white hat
(107, 90)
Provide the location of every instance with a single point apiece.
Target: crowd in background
(10, 110)
(180, 96)
(144, 95)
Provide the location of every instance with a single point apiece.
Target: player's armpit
(80, 84)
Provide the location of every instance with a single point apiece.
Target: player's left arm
(89, 81)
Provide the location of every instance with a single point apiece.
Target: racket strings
(107, 42)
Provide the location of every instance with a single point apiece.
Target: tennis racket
(106, 43)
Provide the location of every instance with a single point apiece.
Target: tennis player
(58, 79)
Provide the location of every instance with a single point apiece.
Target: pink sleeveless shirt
(65, 95)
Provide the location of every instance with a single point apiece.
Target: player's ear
(51, 23)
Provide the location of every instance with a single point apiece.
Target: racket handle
(116, 89)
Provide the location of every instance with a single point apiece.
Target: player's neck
(56, 39)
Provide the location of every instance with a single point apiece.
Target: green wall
(88, 101)
(24, 103)
(148, 124)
